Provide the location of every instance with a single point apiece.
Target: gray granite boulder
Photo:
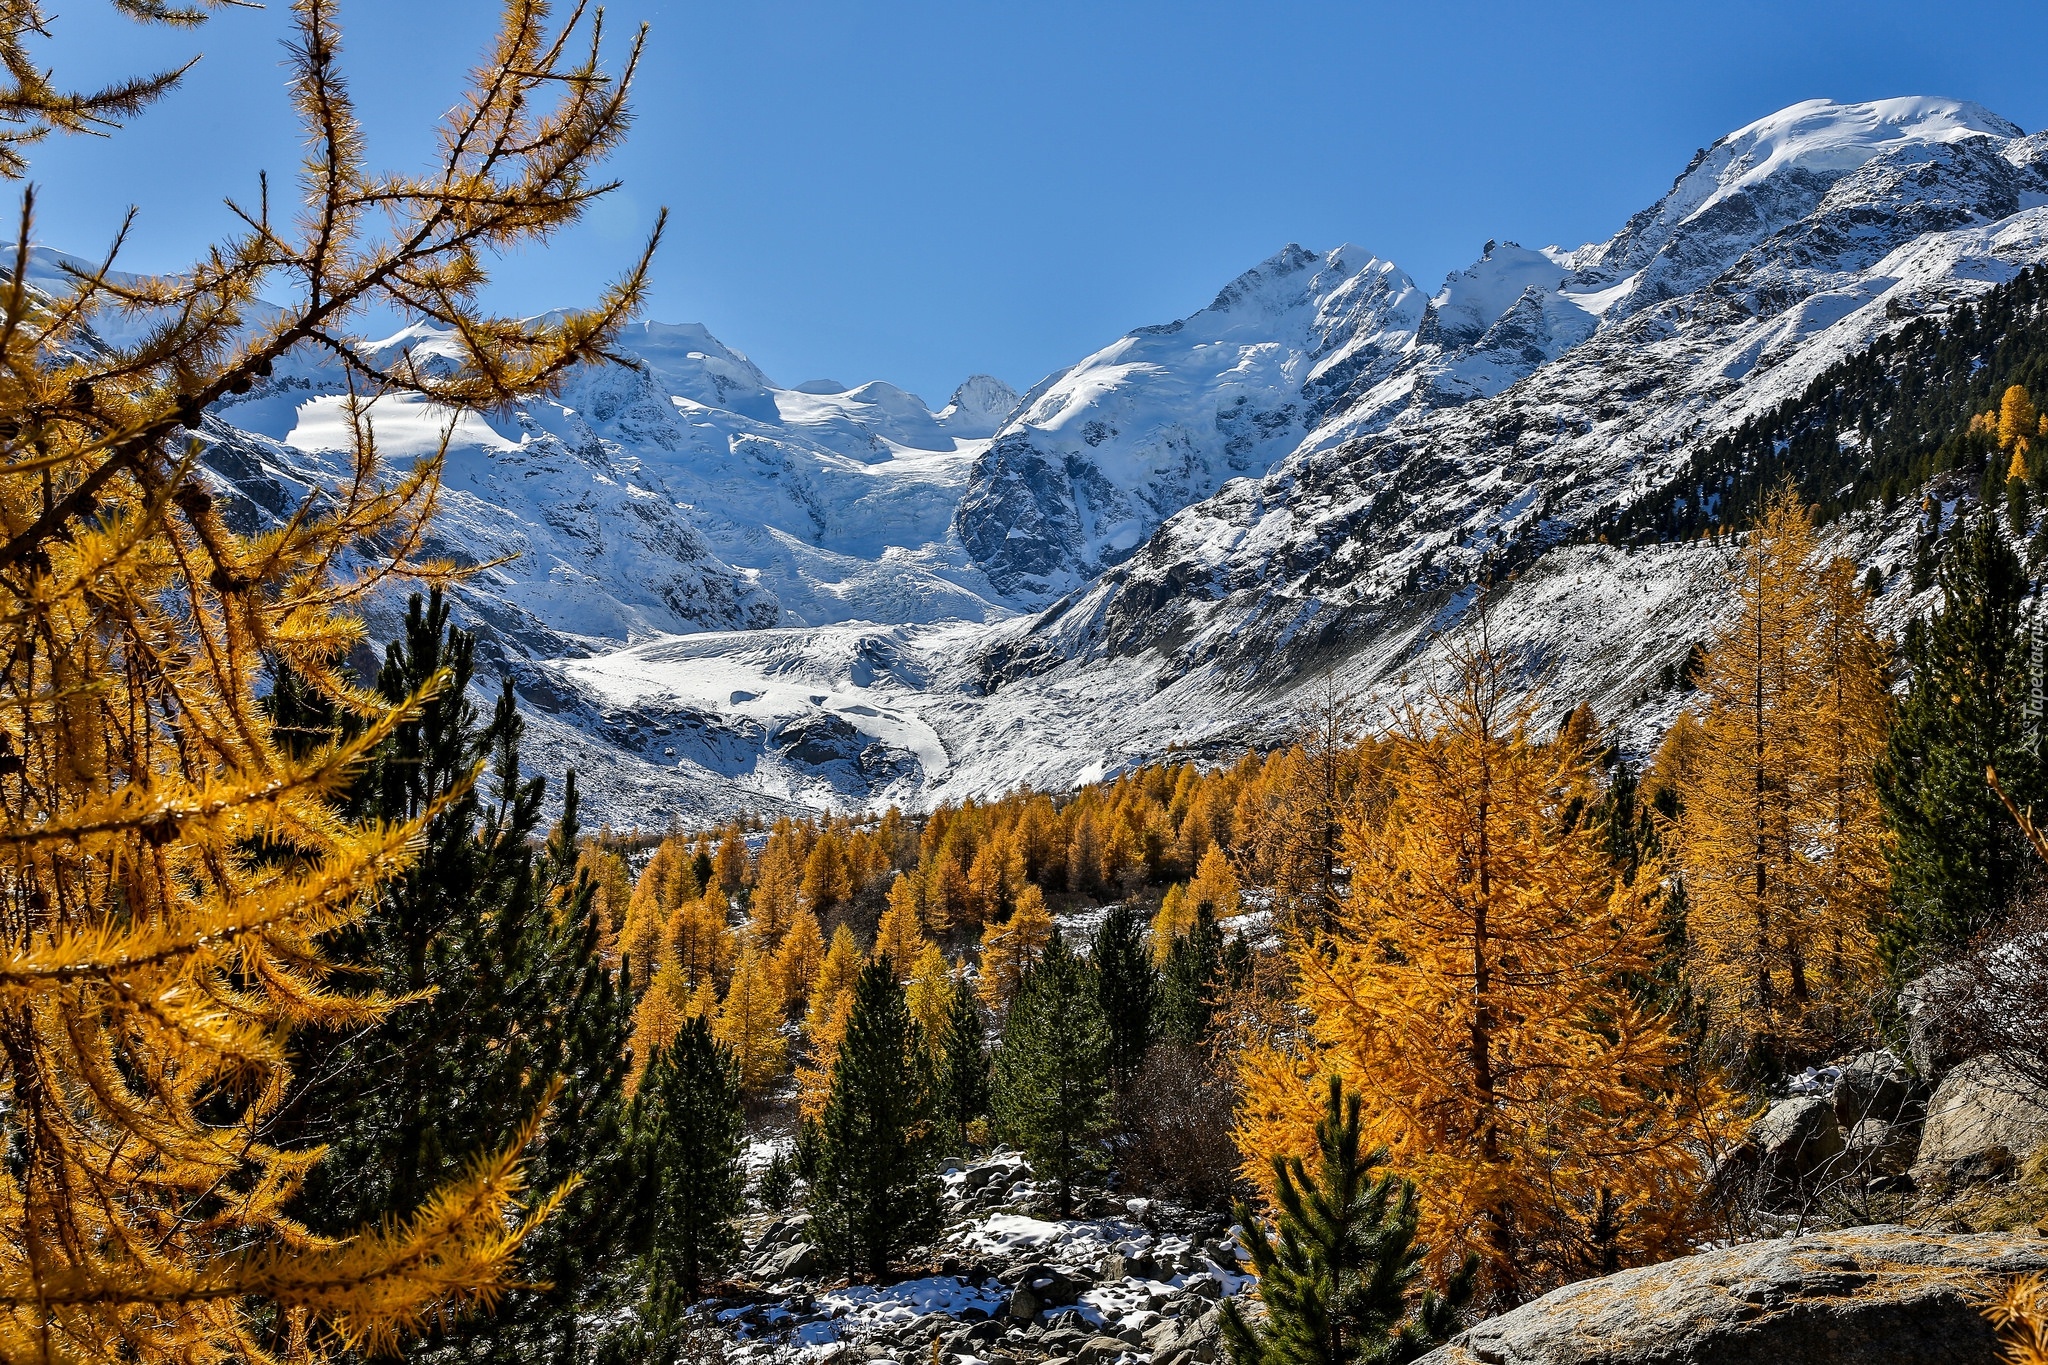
(1874, 1085)
(1982, 1122)
(1886, 1294)
(1877, 1148)
(1793, 1141)
(1937, 1008)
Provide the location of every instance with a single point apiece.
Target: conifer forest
(353, 1005)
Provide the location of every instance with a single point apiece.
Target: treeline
(751, 932)
(1872, 428)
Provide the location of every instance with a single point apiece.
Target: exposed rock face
(1874, 1294)
(1098, 455)
(1982, 1120)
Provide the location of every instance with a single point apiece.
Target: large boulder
(1874, 1085)
(1877, 1148)
(1847, 1298)
(1983, 1120)
(1793, 1141)
(788, 1262)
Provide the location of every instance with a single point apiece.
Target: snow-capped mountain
(1101, 453)
(687, 493)
(1783, 248)
(728, 592)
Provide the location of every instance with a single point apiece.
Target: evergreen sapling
(1339, 1282)
(1052, 1092)
(875, 1194)
(963, 1091)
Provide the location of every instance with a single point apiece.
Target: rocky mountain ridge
(718, 592)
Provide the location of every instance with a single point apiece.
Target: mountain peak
(981, 401)
(1824, 137)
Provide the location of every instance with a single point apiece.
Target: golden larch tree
(798, 958)
(930, 993)
(836, 972)
(657, 1018)
(171, 866)
(828, 881)
(775, 900)
(899, 937)
(2017, 419)
(1011, 948)
(641, 937)
(824, 1034)
(1175, 916)
(729, 864)
(671, 872)
(699, 940)
(1778, 804)
(1215, 885)
(994, 879)
(1843, 872)
(1474, 991)
(750, 1023)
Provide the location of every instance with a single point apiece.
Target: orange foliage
(1474, 990)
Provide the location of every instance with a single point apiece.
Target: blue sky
(915, 192)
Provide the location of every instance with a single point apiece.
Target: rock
(1793, 1141)
(1934, 1006)
(1875, 1147)
(798, 1258)
(1886, 1294)
(1982, 1120)
(781, 1232)
(1099, 1350)
(1066, 1338)
(1197, 1337)
(1160, 1337)
(1874, 1085)
(1024, 1305)
(1124, 1266)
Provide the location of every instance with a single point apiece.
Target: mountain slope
(733, 593)
(1099, 454)
(690, 493)
(1467, 445)
(1389, 500)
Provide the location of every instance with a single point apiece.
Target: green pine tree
(498, 937)
(1340, 1282)
(688, 1133)
(1959, 860)
(963, 1089)
(1125, 985)
(875, 1194)
(776, 1189)
(1186, 1009)
(1051, 1091)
